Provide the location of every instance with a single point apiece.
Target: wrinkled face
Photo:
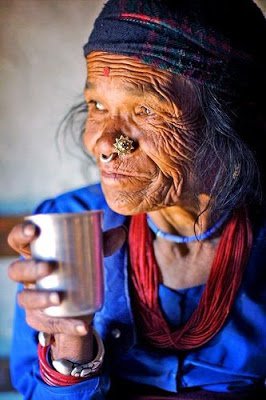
(159, 114)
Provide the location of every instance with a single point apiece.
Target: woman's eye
(142, 110)
(99, 106)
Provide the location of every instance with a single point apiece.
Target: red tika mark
(106, 71)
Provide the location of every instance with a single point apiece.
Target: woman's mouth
(113, 175)
(117, 176)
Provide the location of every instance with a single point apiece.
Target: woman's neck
(177, 220)
(183, 264)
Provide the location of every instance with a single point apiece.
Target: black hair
(228, 160)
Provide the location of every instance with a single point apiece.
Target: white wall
(42, 73)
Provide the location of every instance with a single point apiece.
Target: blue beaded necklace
(186, 239)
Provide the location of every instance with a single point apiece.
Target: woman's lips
(113, 175)
(120, 175)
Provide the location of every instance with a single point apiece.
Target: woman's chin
(121, 207)
(123, 202)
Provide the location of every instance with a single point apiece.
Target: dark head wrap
(220, 43)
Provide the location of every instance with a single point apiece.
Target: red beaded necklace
(217, 299)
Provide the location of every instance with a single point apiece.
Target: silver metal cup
(74, 240)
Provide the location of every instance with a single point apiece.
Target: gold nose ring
(123, 145)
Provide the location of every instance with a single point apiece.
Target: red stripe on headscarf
(141, 17)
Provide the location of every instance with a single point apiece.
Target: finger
(36, 299)
(21, 236)
(30, 271)
(69, 326)
(113, 239)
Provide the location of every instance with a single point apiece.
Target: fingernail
(54, 298)
(29, 229)
(81, 329)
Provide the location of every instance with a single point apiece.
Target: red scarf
(217, 299)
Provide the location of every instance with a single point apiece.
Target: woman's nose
(105, 145)
(113, 144)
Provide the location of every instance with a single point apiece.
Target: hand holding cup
(35, 301)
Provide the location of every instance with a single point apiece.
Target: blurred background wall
(42, 74)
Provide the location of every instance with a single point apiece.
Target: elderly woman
(174, 96)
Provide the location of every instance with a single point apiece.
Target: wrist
(64, 372)
(78, 349)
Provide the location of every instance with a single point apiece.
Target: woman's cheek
(157, 143)
(169, 152)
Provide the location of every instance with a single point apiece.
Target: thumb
(113, 239)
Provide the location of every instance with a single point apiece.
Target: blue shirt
(234, 359)
(178, 305)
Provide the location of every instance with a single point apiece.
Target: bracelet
(67, 367)
(66, 372)
(50, 375)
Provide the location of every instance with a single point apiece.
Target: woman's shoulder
(80, 199)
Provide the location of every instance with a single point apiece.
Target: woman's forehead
(101, 64)
(131, 87)
(108, 72)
